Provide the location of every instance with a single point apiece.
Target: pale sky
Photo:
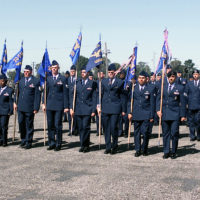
(120, 22)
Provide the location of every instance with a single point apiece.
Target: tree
(82, 61)
(189, 66)
(142, 66)
(36, 70)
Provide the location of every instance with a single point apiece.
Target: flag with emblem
(44, 67)
(132, 68)
(96, 58)
(165, 56)
(74, 55)
(4, 59)
(15, 63)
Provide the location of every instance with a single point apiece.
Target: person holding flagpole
(56, 103)
(29, 97)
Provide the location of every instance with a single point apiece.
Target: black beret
(83, 68)
(143, 73)
(54, 62)
(179, 71)
(168, 67)
(195, 71)
(73, 67)
(90, 73)
(171, 73)
(28, 67)
(3, 77)
(112, 67)
(67, 72)
(152, 73)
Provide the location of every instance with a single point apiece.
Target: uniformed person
(112, 105)
(66, 115)
(28, 104)
(85, 108)
(6, 108)
(142, 114)
(71, 83)
(56, 103)
(180, 80)
(173, 108)
(192, 93)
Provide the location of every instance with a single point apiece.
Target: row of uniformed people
(60, 99)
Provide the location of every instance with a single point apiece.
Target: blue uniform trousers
(54, 122)
(25, 120)
(4, 119)
(123, 119)
(141, 128)
(110, 123)
(194, 123)
(170, 130)
(74, 122)
(83, 122)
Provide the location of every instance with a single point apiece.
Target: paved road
(68, 174)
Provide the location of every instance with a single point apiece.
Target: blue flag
(44, 67)
(4, 59)
(131, 71)
(76, 49)
(95, 59)
(15, 63)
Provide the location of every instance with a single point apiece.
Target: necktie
(83, 82)
(110, 81)
(26, 80)
(170, 89)
(142, 88)
(54, 79)
(195, 83)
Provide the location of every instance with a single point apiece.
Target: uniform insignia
(176, 93)
(185, 94)
(66, 86)
(89, 88)
(6, 94)
(59, 83)
(147, 93)
(175, 97)
(184, 82)
(31, 85)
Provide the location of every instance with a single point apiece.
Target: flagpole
(15, 111)
(129, 127)
(99, 108)
(161, 102)
(45, 102)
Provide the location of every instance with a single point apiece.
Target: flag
(44, 67)
(132, 69)
(76, 49)
(165, 56)
(4, 59)
(96, 58)
(15, 63)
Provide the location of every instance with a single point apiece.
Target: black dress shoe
(145, 153)
(107, 151)
(58, 148)
(5, 145)
(173, 156)
(22, 144)
(86, 149)
(51, 148)
(137, 153)
(81, 149)
(114, 151)
(166, 155)
(192, 139)
(28, 146)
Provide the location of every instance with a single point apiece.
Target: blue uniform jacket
(174, 105)
(112, 97)
(192, 94)
(29, 97)
(57, 93)
(85, 98)
(6, 101)
(143, 103)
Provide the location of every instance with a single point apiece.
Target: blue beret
(152, 73)
(123, 72)
(83, 68)
(67, 72)
(3, 77)
(73, 67)
(54, 62)
(168, 67)
(143, 73)
(195, 71)
(112, 67)
(28, 67)
(90, 73)
(171, 73)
